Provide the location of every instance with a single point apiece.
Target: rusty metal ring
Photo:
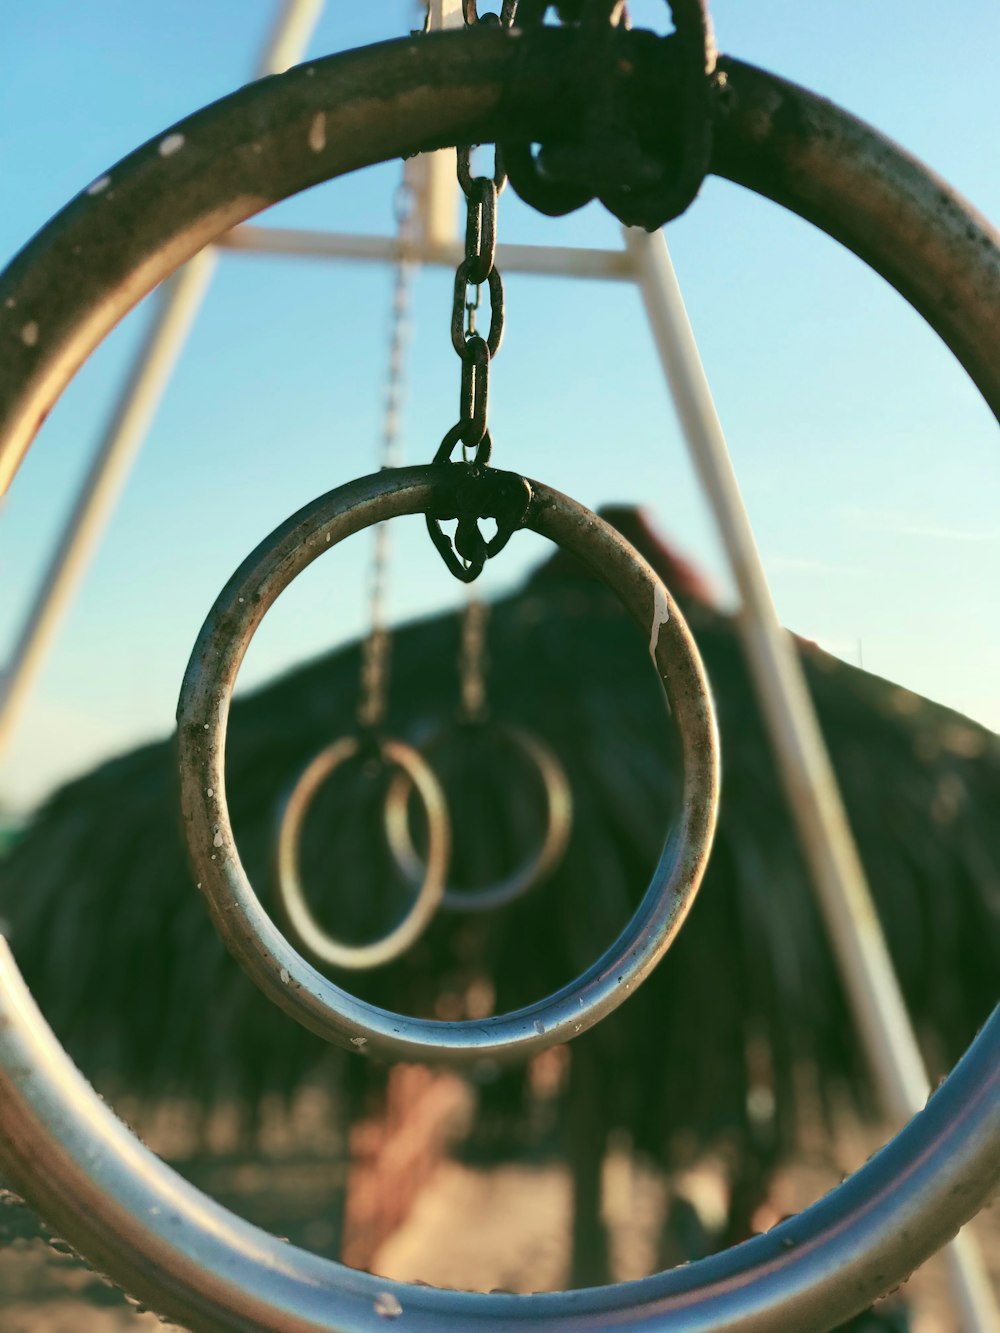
(314, 937)
(536, 866)
(60, 1146)
(252, 937)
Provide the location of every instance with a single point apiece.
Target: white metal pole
(179, 301)
(570, 261)
(811, 788)
(438, 213)
(291, 34)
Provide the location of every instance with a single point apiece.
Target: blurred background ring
(314, 937)
(536, 864)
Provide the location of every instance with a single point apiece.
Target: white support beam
(290, 36)
(554, 261)
(433, 174)
(179, 302)
(810, 785)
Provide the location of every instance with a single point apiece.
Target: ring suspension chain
(476, 269)
(477, 493)
(481, 193)
(506, 17)
(369, 740)
(472, 660)
(375, 652)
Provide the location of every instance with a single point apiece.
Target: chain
(474, 491)
(477, 270)
(508, 12)
(375, 650)
(481, 193)
(472, 660)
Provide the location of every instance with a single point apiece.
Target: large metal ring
(202, 715)
(312, 935)
(534, 867)
(60, 1146)
(191, 1260)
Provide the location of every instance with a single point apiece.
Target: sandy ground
(45, 1292)
(507, 1229)
(504, 1228)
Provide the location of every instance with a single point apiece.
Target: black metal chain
(376, 647)
(477, 269)
(611, 161)
(477, 494)
(508, 12)
(472, 660)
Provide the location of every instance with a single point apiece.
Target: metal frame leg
(140, 397)
(811, 788)
(101, 488)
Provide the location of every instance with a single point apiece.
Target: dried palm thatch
(117, 946)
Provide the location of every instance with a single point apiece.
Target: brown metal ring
(535, 867)
(314, 937)
(246, 929)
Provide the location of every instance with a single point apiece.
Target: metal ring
(315, 938)
(536, 866)
(196, 1263)
(254, 940)
(61, 1147)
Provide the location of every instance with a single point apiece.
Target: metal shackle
(249, 933)
(65, 1151)
(313, 936)
(537, 863)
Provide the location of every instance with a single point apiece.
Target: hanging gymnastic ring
(535, 867)
(315, 938)
(252, 937)
(60, 1146)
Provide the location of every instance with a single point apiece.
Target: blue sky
(869, 464)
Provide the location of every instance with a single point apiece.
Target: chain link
(508, 11)
(476, 492)
(477, 269)
(472, 660)
(376, 648)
